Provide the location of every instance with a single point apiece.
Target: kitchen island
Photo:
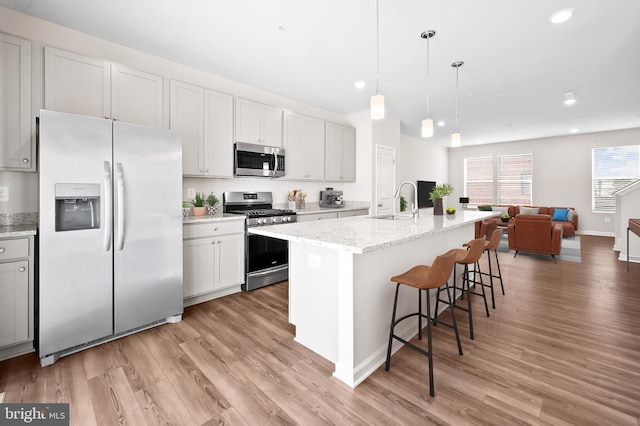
(340, 294)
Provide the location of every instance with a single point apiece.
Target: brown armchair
(535, 233)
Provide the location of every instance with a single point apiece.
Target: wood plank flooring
(562, 347)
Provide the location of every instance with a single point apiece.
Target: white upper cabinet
(340, 149)
(258, 123)
(136, 96)
(88, 86)
(205, 119)
(304, 147)
(16, 142)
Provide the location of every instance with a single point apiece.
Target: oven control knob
(276, 219)
(260, 221)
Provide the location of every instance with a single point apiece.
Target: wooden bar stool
(471, 256)
(425, 278)
(489, 246)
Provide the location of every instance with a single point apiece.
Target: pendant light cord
(378, 45)
(457, 71)
(428, 38)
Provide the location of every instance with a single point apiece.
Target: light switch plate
(191, 193)
(4, 193)
(314, 261)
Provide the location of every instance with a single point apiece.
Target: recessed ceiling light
(569, 98)
(440, 123)
(561, 16)
(574, 130)
(359, 84)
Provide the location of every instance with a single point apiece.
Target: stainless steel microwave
(258, 160)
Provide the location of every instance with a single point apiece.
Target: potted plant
(403, 203)
(437, 194)
(198, 204)
(505, 217)
(451, 210)
(212, 202)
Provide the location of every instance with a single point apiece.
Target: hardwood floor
(562, 347)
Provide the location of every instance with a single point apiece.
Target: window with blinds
(613, 168)
(478, 180)
(515, 174)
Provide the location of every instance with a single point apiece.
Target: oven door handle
(268, 272)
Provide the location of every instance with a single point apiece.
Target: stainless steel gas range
(266, 259)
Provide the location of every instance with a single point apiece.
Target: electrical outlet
(191, 193)
(314, 261)
(4, 193)
(607, 219)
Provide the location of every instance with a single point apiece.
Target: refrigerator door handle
(120, 216)
(108, 208)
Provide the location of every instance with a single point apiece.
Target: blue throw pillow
(560, 215)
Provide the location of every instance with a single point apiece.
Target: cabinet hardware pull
(115, 118)
(22, 269)
(2, 249)
(106, 117)
(25, 160)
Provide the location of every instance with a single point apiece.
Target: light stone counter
(340, 294)
(218, 217)
(363, 234)
(10, 231)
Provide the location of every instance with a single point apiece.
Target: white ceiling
(517, 66)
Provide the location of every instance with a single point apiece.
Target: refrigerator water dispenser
(77, 206)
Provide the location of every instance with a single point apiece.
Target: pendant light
(455, 136)
(377, 100)
(427, 123)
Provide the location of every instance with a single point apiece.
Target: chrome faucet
(414, 204)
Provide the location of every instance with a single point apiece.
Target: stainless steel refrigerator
(110, 231)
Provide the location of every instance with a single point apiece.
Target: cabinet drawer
(212, 229)
(14, 249)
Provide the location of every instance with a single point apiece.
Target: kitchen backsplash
(8, 219)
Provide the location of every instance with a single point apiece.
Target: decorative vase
(185, 211)
(505, 219)
(198, 211)
(437, 206)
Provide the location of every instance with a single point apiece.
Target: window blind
(613, 168)
(478, 180)
(515, 179)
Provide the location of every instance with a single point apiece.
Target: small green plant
(212, 200)
(441, 191)
(451, 210)
(199, 200)
(505, 215)
(185, 205)
(403, 203)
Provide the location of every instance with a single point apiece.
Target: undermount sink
(392, 217)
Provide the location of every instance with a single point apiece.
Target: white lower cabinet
(16, 296)
(213, 260)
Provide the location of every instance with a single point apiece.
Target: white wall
(561, 170)
(421, 159)
(362, 188)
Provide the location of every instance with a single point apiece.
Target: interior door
(385, 180)
(147, 225)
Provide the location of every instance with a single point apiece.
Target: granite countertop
(218, 217)
(314, 207)
(10, 231)
(363, 234)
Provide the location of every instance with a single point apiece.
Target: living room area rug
(569, 252)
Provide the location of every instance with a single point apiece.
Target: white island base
(341, 296)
